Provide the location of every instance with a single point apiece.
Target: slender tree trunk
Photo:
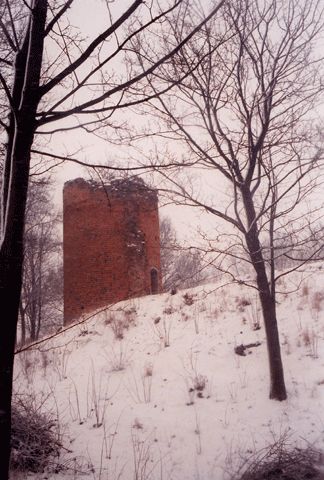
(33, 301)
(39, 290)
(23, 323)
(268, 304)
(16, 174)
(39, 310)
(277, 382)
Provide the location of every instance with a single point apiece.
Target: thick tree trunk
(11, 260)
(16, 174)
(268, 304)
(10, 285)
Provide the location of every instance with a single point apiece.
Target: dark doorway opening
(154, 281)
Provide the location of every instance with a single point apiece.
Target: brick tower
(111, 244)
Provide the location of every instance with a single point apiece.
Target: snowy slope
(152, 389)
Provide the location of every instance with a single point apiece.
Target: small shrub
(120, 321)
(140, 389)
(202, 307)
(34, 441)
(306, 337)
(60, 362)
(130, 315)
(27, 362)
(148, 369)
(118, 328)
(310, 340)
(162, 330)
(137, 424)
(185, 317)
(242, 303)
(280, 461)
(191, 393)
(254, 314)
(317, 299)
(168, 310)
(83, 331)
(256, 326)
(188, 299)
(118, 358)
(199, 382)
(286, 344)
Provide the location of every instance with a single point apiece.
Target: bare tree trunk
(32, 310)
(277, 382)
(16, 176)
(11, 259)
(38, 319)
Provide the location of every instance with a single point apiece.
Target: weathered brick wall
(111, 244)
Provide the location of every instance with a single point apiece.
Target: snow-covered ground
(152, 388)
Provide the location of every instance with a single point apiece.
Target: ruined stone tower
(111, 244)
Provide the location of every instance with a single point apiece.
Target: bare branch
(108, 167)
(7, 90)
(8, 37)
(110, 57)
(86, 54)
(57, 17)
(124, 86)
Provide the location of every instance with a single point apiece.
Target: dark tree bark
(267, 300)
(22, 129)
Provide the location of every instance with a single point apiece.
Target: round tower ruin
(111, 244)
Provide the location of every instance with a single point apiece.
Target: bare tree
(182, 267)
(247, 114)
(41, 293)
(169, 249)
(50, 74)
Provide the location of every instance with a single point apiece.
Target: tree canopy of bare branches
(247, 115)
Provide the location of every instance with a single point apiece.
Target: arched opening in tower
(154, 281)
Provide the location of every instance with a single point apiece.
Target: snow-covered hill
(152, 389)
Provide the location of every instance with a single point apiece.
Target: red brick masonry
(111, 244)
